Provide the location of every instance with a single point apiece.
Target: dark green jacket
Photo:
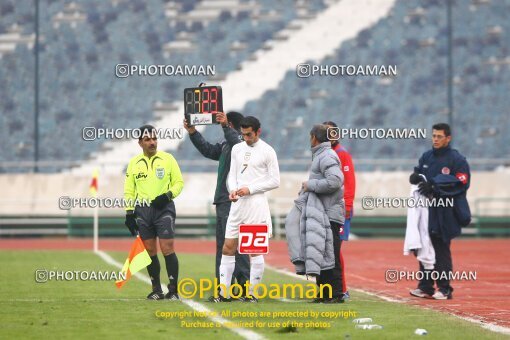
(218, 152)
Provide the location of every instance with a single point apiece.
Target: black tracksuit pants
(333, 276)
(443, 267)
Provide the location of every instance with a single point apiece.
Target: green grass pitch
(85, 309)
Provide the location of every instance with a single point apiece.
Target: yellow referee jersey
(148, 178)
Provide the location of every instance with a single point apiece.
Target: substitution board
(201, 104)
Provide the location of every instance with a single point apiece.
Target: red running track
(486, 299)
(366, 261)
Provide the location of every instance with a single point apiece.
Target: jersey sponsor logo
(253, 239)
(462, 177)
(160, 173)
(445, 171)
(346, 168)
(247, 156)
(141, 175)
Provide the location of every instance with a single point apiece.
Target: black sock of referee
(172, 268)
(154, 268)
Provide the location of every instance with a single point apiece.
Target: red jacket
(349, 176)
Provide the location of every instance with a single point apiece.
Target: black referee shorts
(154, 222)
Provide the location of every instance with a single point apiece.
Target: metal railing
(487, 220)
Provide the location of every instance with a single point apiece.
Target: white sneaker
(419, 293)
(441, 296)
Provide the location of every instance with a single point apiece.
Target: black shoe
(172, 293)
(220, 298)
(336, 299)
(235, 298)
(249, 298)
(172, 296)
(317, 300)
(156, 296)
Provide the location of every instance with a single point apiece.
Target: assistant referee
(154, 176)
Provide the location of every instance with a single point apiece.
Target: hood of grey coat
(320, 147)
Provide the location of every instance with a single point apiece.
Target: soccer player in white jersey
(253, 171)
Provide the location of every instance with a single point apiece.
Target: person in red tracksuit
(349, 192)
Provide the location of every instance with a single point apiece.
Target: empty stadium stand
(82, 41)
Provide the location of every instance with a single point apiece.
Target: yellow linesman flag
(93, 183)
(137, 260)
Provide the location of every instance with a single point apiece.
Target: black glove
(131, 223)
(415, 178)
(426, 189)
(161, 201)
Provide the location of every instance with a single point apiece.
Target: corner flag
(137, 260)
(93, 191)
(93, 183)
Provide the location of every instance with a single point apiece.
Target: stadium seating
(416, 98)
(77, 62)
(78, 56)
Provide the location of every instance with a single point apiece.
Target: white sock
(256, 271)
(227, 266)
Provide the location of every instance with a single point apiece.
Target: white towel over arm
(417, 232)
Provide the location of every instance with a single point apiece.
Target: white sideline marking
(245, 333)
(490, 326)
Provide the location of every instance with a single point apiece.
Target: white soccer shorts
(251, 209)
